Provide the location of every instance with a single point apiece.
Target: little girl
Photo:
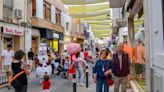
(66, 66)
(46, 83)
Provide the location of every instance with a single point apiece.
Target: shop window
(33, 7)
(58, 16)
(47, 11)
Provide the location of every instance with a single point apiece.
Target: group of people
(14, 63)
(18, 68)
(105, 65)
(115, 68)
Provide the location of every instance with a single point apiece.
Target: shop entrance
(35, 45)
(7, 39)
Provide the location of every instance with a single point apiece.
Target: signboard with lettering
(55, 35)
(13, 31)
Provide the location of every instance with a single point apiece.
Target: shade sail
(82, 2)
(96, 13)
(90, 14)
(87, 8)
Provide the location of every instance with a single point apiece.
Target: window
(47, 11)
(8, 3)
(7, 10)
(58, 16)
(67, 26)
(33, 7)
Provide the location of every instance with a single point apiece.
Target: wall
(53, 14)
(115, 14)
(19, 4)
(28, 39)
(154, 45)
(65, 18)
(1, 9)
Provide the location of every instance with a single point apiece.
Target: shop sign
(13, 31)
(55, 35)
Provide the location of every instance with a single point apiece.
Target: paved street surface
(58, 85)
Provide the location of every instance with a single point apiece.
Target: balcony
(42, 23)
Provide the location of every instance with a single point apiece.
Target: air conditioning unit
(18, 14)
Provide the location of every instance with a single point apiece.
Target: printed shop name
(12, 31)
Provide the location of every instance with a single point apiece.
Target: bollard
(0, 80)
(87, 76)
(74, 82)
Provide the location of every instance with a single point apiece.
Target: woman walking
(102, 72)
(18, 65)
(80, 66)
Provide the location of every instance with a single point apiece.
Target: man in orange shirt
(139, 60)
(128, 50)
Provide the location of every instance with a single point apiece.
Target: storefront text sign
(55, 35)
(13, 31)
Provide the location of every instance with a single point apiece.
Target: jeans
(21, 89)
(100, 83)
(53, 68)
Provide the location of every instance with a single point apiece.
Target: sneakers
(78, 84)
(82, 84)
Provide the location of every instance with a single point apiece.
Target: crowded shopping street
(81, 45)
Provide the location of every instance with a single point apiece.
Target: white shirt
(8, 57)
(82, 55)
(89, 53)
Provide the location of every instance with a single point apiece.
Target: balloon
(73, 48)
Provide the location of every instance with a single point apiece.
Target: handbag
(109, 80)
(16, 84)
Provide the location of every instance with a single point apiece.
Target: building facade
(46, 17)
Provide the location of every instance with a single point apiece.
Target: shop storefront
(46, 36)
(12, 35)
(52, 39)
(35, 40)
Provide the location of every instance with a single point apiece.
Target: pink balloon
(73, 48)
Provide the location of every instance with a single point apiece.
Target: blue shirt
(102, 66)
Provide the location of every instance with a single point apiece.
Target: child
(46, 83)
(66, 66)
(29, 65)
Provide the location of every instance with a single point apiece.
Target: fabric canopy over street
(83, 2)
(96, 13)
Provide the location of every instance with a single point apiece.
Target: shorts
(7, 68)
(138, 68)
(46, 90)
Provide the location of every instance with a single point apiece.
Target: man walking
(7, 58)
(31, 54)
(139, 60)
(121, 67)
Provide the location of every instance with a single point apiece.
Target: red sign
(13, 31)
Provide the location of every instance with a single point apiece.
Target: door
(156, 43)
